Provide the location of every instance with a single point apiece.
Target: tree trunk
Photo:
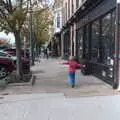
(38, 52)
(18, 54)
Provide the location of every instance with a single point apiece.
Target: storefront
(96, 38)
(57, 44)
(66, 43)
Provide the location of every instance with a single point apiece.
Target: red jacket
(72, 65)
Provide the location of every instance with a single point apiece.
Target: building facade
(68, 33)
(91, 33)
(57, 13)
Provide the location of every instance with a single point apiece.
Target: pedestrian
(46, 53)
(73, 65)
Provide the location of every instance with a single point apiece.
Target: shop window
(67, 44)
(80, 43)
(108, 28)
(95, 56)
(112, 45)
(86, 42)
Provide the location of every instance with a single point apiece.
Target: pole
(31, 37)
(117, 49)
(25, 47)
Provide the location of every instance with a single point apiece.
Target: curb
(30, 83)
(3, 83)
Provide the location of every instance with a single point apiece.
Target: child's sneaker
(73, 86)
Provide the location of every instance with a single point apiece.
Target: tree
(41, 24)
(12, 17)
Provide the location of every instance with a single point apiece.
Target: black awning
(85, 8)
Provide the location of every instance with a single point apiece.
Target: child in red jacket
(72, 69)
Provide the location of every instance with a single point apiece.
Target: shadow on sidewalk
(38, 71)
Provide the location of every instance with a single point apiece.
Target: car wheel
(3, 72)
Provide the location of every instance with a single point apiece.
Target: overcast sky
(10, 37)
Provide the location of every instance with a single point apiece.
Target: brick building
(90, 31)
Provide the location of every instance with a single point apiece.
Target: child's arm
(66, 63)
(80, 65)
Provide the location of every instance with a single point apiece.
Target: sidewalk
(52, 78)
(56, 107)
(51, 98)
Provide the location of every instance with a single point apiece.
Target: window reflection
(80, 43)
(108, 38)
(86, 42)
(95, 40)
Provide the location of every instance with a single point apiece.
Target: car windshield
(12, 54)
(3, 54)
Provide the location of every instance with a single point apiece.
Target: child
(72, 69)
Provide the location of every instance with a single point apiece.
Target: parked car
(4, 54)
(12, 51)
(25, 65)
(6, 66)
(12, 55)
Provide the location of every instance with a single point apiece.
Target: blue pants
(71, 78)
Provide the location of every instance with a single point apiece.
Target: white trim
(71, 40)
(57, 9)
(75, 39)
(62, 45)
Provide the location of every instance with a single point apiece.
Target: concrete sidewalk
(51, 98)
(52, 78)
(56, 107)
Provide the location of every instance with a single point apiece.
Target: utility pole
(31, 36)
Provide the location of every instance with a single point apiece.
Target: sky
(10, 37)
(51, 2)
